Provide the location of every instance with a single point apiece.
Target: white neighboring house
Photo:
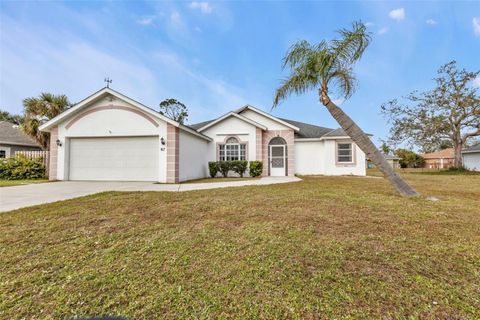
(108, 136)
(471, 158)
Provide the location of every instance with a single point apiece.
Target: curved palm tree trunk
(367, 146)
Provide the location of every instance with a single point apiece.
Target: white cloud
(145, 21)
(369, 24)
(431, 22)
(65, 63)
(176, 19)
(476, 82)
(204, 7)
(397, 14)
(476, 25)
(383, 30)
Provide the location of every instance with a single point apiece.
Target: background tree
(12, 118)
(174, 109)
(385, 148)
(449, 114)
(409, 159)
(329, 64)
(40, 109)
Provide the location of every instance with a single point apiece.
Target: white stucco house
(471, 158)
(109, 136)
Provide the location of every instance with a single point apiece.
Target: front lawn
(220, 179)
(10, 183)
(326, 247)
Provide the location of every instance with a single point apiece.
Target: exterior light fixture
(59, 143)
(162, 141)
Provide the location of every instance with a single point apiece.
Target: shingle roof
(307, 131)
(445, 153)
(199, 125)
(474, 148)
(12, 134)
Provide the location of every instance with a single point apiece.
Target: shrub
(239, 167)
(20, 167)
(224, 167)
(256, 168)
(213, 168)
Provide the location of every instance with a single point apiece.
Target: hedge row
(20, 167)
(238, 166)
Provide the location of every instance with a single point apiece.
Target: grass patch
(220, 179)
(325, 247)
(10, 183)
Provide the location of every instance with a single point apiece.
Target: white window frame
(352, 153)
(229, 151)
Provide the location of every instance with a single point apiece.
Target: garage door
(114, 159)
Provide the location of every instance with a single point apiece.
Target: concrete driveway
(17, 197)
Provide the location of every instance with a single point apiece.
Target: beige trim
(267, 116)
(110, 107)
(52, 167)
(232, 114)
(354, 154)
(173, 151)
(259, 145)
(288, 136)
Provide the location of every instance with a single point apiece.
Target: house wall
(471, 161)
(193, 157)
(12, 148)
(111, 121)
(333, 168)
(243, 131)
(310, 157)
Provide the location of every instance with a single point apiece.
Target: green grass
(10, 183)
(326, 247)
(220, 179)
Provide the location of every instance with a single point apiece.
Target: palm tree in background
(39, 110)
(329, 64)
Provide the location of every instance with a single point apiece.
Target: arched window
(231, 150)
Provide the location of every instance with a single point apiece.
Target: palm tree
(329, 64)
(39, 110)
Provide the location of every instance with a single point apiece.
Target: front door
(277, 161)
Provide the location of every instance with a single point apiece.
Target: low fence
(43, 155)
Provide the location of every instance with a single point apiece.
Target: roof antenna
(107, 80)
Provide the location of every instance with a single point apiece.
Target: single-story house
(442, 159)
(12, 139)
(392, 160)
(109, 136)
(471, 158)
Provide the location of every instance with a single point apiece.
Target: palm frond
(297, 54)
(297, 83)
(352, 43)
(344, 80)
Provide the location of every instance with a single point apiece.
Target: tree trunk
(458, 146)
(367, 146)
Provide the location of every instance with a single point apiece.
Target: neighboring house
(393, 161)
(471, 158)
(12, 139)
(442, 159)
(109, 136)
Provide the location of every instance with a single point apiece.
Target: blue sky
(218, 56)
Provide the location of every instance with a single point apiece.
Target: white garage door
(114, 159)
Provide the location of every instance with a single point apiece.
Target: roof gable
(101, 94)
(205, 125)
(269, 116)
(106, 92)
